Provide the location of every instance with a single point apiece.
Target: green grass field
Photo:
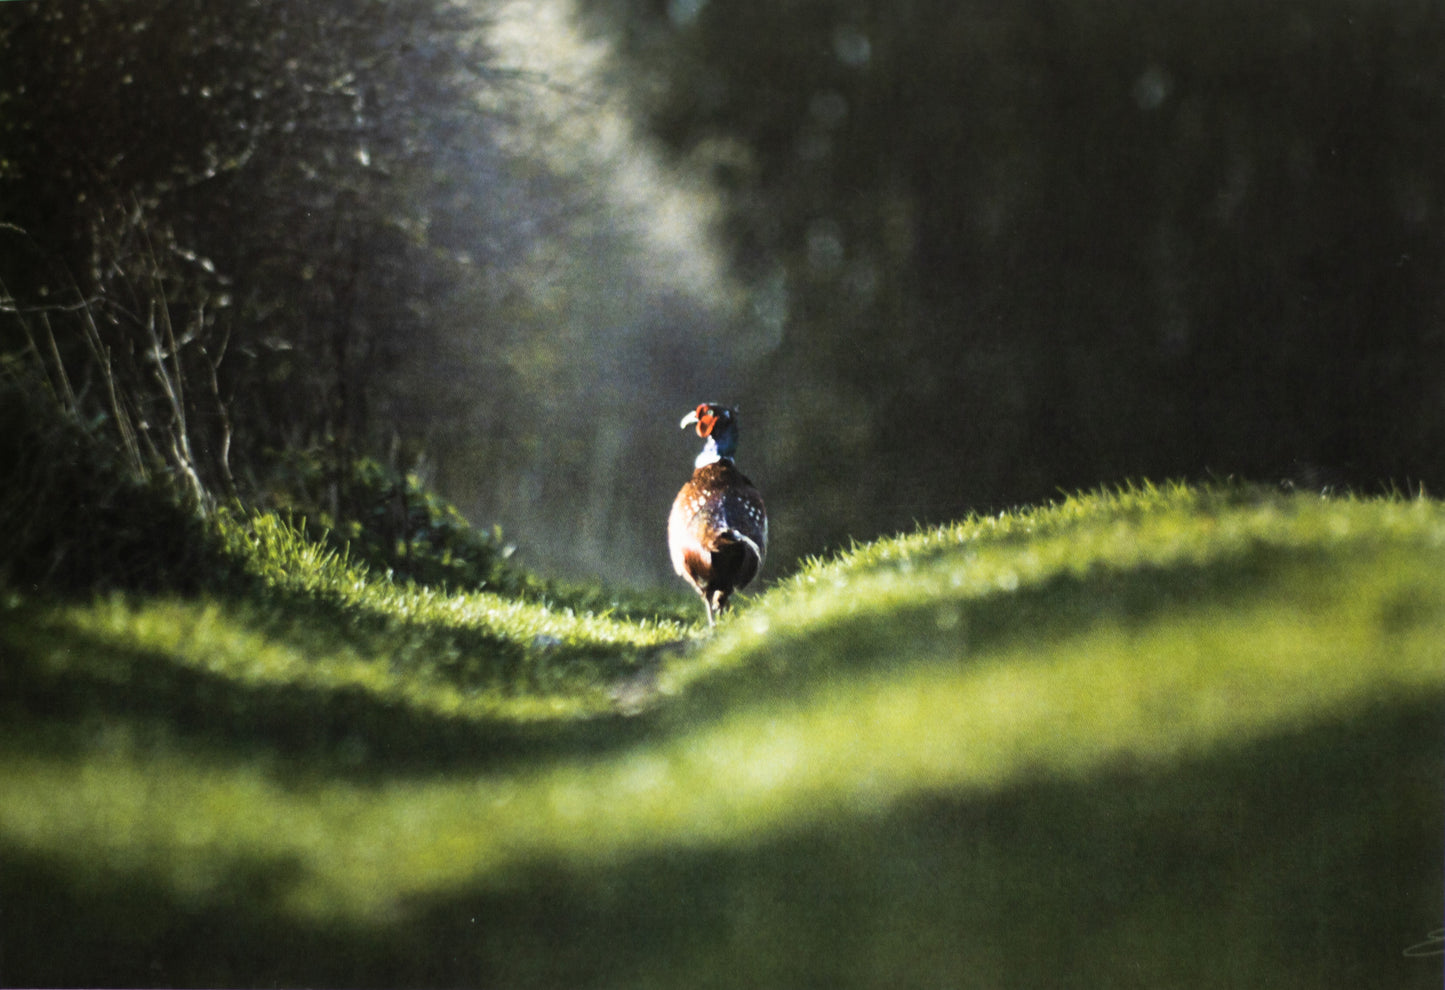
(1155, 737)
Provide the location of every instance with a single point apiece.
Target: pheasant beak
(688, 420)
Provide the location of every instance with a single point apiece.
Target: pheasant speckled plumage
(718, 530)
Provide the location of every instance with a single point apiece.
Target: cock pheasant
(718, 530)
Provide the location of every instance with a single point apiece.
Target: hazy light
(852, 46)
(587, 133)
(825, 246)
(616, 288)
(1152, 88)
(770, 305)
(684, 12)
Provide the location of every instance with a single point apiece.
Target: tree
(1057, 244)
(220, 219)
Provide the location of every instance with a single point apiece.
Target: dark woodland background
(946, 256)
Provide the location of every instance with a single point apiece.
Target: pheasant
(718, 530)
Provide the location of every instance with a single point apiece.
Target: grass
(1157, 736)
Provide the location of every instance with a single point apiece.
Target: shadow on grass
(1305, 860)
(368, 735)
(303, 730)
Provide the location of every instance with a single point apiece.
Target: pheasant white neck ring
(710, 455)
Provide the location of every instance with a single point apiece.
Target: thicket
(76, 517)
(225, 229)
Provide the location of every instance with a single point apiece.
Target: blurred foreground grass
(1153, 737)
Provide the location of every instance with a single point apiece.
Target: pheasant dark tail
(718, 530)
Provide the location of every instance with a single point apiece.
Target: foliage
(393, 525)
(218, 218)
(76, 518)
(990, 252)
(1190, 734)
(1032, 247)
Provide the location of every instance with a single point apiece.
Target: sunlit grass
(1176, 532)
(1152, 629)
(320, 624)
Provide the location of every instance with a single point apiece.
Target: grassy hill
(1153, 737)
